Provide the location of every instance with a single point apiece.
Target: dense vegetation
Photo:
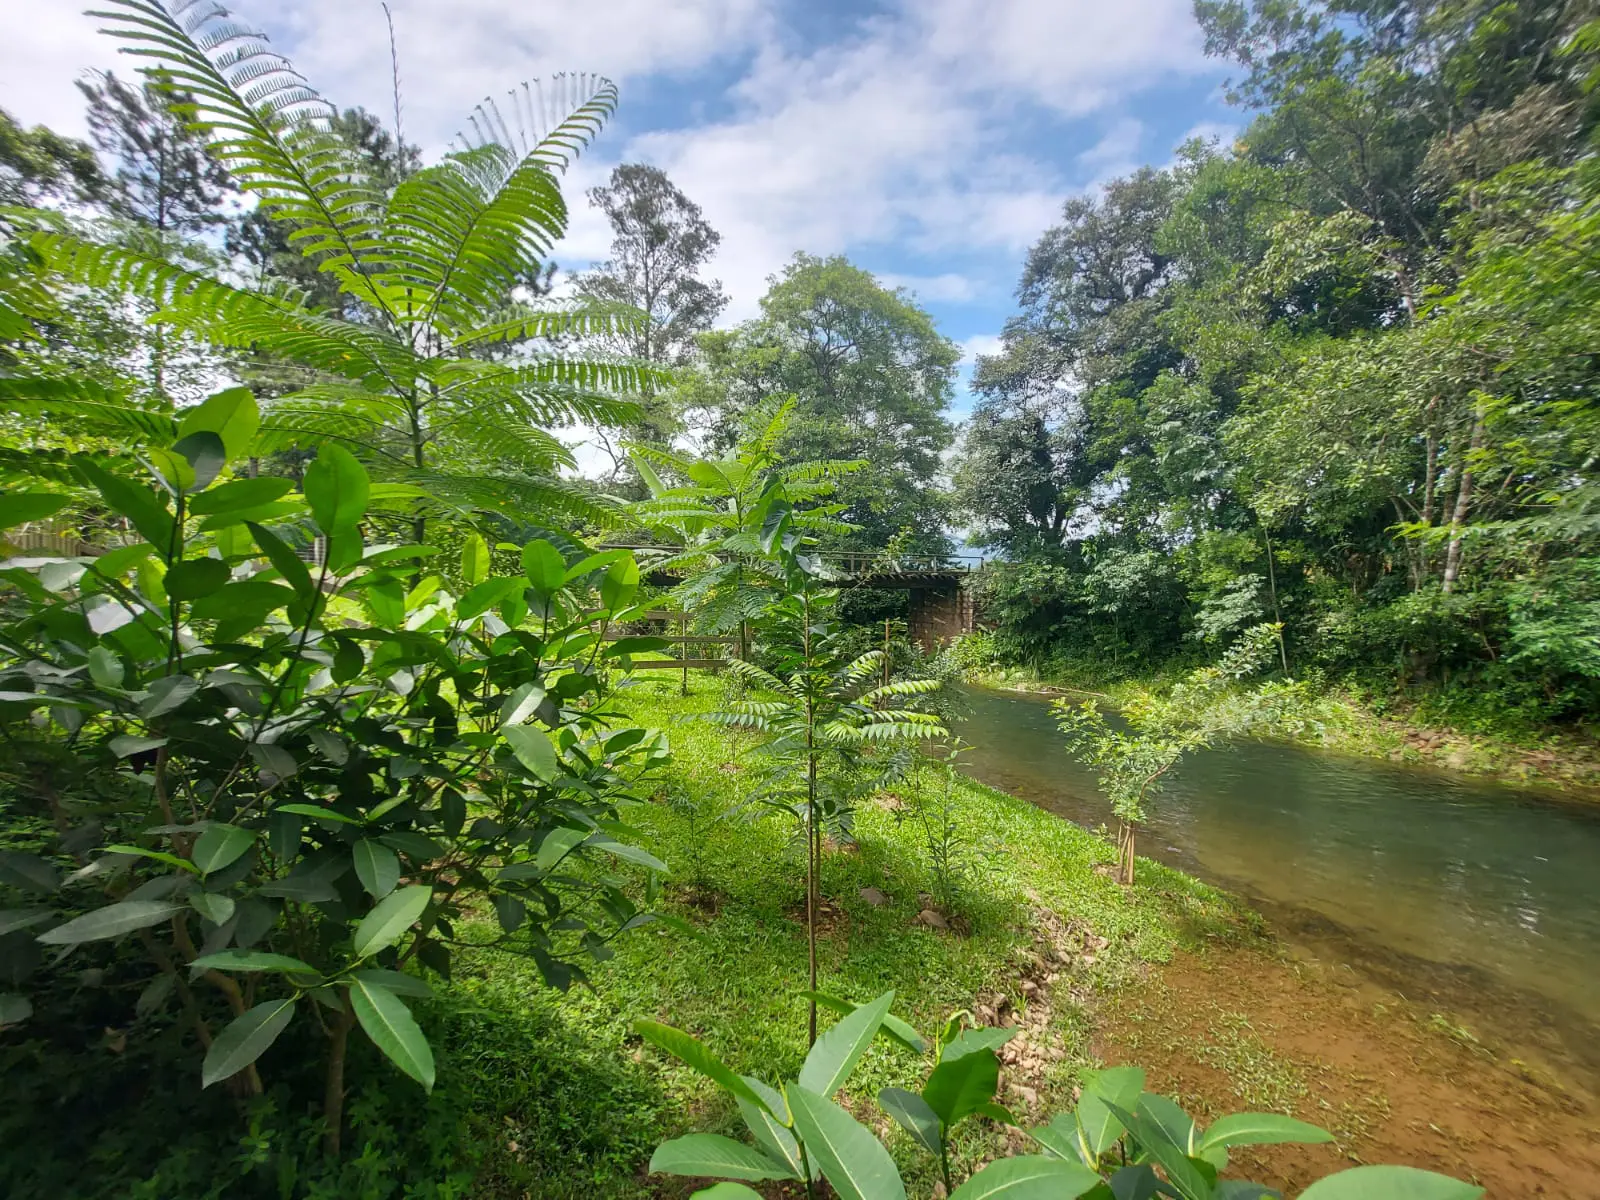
(1339, 374)
(325, 747)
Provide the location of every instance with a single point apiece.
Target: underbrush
(550, 1095)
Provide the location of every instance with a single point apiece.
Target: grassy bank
(1342, 722)
(568, 1103)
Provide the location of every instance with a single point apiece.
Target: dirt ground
(1247, 1029)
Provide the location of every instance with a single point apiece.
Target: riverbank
(1339, 722)
(1037, 936)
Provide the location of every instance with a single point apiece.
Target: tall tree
(660, 245)
(38, 165)
(872, 377)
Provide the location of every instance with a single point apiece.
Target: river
(1477, 899)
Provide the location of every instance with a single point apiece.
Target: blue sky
(931, 141)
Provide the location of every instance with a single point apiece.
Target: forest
(397, 802)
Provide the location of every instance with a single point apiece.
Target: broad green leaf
(1028, 1177)
(213, 906)
(221, 845)
(390, 918)
(18, 508)
(1169, 1117)
(770, 1133)
(28, 871)
(1226, 1189)
(534, 750)
(970, 1041)
(14, 1009)
(635, 645)
(243, 600)
(957, 1088)
(1139, 1181)
(252, 960)
(894, 1028)
(147, 511)
(337, 489)
(593, 563)
(1159, 1137)
(294, 572)
(125, 745)
(484, 596)
(1099, 1127)
(245, 1039)
(521, 704)
(112, 921)
(232, 415)
(204, 453)
(1063, 1137)
(105, 668)
(619, 583)
(317, 812)
(397, 982)
(376, 867)
(161, 856)
(852, 1159)
(392, 1028)
(714, 1155)
(240, 494)
(474, 559)
(543, 565)
(693, 1053)
(1259, 1129)
(13, 919)
(628, 853)
(1390, 1183)
(196, 577)
(911, 1112)
(727, 1191)
(830, 1061)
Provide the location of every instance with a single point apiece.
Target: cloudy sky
(930, 140)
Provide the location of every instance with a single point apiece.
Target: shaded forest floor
(1567, 759)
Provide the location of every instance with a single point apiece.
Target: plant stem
(333, 1090)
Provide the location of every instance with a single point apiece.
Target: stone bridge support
(940, 612)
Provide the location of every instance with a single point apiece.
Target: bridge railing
(869, 562)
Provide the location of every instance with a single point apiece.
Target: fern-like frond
(548, 324)
(550, 391)
(754, 676)
(269, 127)
(898, 689)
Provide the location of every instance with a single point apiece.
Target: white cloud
(46, 48)
(980, 343)
(949, 287)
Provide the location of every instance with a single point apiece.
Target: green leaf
(770, 1132)
(543, 565)
(232, 416)
(852, 1159)
(245, 1039)
(203, 451)
(390, 918)
(534, 750)
(112, 921)
(317, 812)
(376, 867)
(147, 511)
(714, 1155)
(970, 1041)
(161, 856)
(894, 1028)
(196, 577)
(628, 853)
(126, 744)
(14, 1009)
(18, 508)
(251, 960)
(392, 1028)
(28, 871)
(521, 704)
(1027, 1177)
(105, 668)
(240, 494)
(1156, 1135)
(911, 1112)
(484, 596)
(693, 1053)
(243, 599)
(1390, 1183)
(397, 982)
(591, 564)
(727, 1191)
(1098, 1126)
(13, 919)
(213, 906)
(474, 559)
(619, 583)
(1259, 1129)
(1169, 1117)
(288, 564)
(337, 489)
(958, 1088)
(837, 1051)
(221, 845)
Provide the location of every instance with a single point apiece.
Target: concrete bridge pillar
(939, 613)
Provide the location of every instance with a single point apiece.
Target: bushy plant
(1120, 1141)
(272, 790)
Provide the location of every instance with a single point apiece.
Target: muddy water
(1479, 899)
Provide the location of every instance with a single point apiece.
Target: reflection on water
(1438, 884)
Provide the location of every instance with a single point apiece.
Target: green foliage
(1119, 1141)
(308, 780)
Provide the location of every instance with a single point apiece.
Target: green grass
(566, 1101)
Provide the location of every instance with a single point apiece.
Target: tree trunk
(1463, 508)
(333, 1090)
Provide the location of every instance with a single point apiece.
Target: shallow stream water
(1478, 899)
